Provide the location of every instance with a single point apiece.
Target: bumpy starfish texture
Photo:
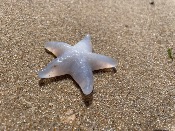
(77, 60)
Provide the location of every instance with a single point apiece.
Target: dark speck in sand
(152, 3)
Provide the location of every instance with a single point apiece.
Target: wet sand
(140, 95)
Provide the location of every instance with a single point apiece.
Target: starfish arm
(57, 48)
(54, 68)
(98, 61)
(82, 74)
(85, 44)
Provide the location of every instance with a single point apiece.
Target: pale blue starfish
(77, 60)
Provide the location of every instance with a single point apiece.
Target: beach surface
(138, 96)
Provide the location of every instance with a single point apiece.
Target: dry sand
(137, 33)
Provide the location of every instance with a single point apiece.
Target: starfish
(77, 60)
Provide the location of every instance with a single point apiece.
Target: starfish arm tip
(40, 74)
(87, 90)
(43, 74)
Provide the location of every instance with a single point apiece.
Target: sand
(139, 96)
